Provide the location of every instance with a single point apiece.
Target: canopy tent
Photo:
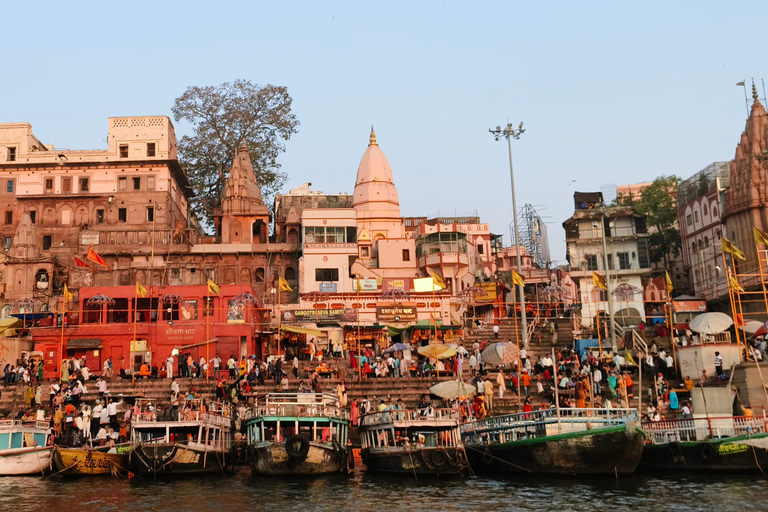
(8, 323)
(301, 330)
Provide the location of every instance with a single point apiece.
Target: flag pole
(732, 302)
(132, 348)
(741, 312)
(434, 317)
(517, 343)
(207, 330)
(279, 292)
(61, 345)
(762, 277)
(359, 355)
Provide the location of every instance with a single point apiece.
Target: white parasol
(453, 389)
(752, 326)
(711, 323)
(500, 353)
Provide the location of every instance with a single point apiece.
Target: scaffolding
(533, 235)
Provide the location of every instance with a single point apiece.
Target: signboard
(365, 285)
(489, 293)
(405, 283)
(138, 346)
(328, 287)
(396, 313)
(319, 315)
(188, 310)
(235, 312)
(689, 306)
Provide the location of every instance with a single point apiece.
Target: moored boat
(576, 442)
(24, 448)
(196, 439)
(297, 434)
(413, 442)
(90, 461)
(708, 444)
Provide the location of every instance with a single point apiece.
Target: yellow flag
(140, 290)
(68, 294)
(760, 237)
(213, 287)
(735, 285)
(669, 286)
(284, 286)
(438, 281)
(630, 359)
(599, 281)
(517, 279)
(729, 247)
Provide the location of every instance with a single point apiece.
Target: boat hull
(271, 459)
(415, 462)
(82, 462)
(608, 451)
(735, 454)
(168, 459)
(26, 461)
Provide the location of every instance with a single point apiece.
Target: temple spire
(754, 91)
(373, 137)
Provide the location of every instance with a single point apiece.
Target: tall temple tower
(375, 198)
(243, 217)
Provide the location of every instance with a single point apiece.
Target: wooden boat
(195, 439)
(294, 434)
(413, 442)
(574, 442)
(713, 444)
(90, 461)
(24, 448)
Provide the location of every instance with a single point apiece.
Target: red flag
(81, 263)
(95, 257)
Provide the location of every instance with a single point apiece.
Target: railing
(410, 415)
(699, 429)
(543, 423)
(532, 326)
(204, 417)
(299, 405)
(637, 340)
(42, 425)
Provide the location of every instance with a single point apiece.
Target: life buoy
(675, 448)
(707, 452)
(297, 446)
(439, 458)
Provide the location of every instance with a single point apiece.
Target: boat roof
(411, 418)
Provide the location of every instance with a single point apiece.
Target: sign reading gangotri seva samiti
(396, 313)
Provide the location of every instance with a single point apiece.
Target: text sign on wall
(396, 313)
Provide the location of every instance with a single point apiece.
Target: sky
(610, 93)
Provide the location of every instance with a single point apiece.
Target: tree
(221, 117)
(658, 202)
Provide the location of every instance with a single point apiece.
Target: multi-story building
(626, 238)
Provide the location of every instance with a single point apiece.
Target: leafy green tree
(658, 202)
(221, 117)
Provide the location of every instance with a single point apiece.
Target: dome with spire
(241, 192)
(375, 187)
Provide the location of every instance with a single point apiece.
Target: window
(9, 186)
(705, 208)
(693, 248)
(99, 216)
(718, 234)
(325, 235)
(701, 245)
(83, 184)
(66, 185)
(326, 274)
(122, 215)
(706, 241)
(122, 183)
(136, 183)
(46, 242)
(714, 211)
(624, 262)
(610, 261)
(406, 255)
(7, 241)
(150, 182)
(150, 213)
(150, 149)
(48, 185)
(695, 216)
(688, 220)
(480, 248)
(9, 217)
(290, 274)
(591, 260)
(123, 150)
(364, 252)
(11, 154)
(208, 306)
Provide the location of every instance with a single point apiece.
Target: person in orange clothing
(144, 371)
(629, 383)
(526, 380)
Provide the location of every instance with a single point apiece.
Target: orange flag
(95, 257)
(81, 263)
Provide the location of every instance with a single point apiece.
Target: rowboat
(24, 448)
(90, 461)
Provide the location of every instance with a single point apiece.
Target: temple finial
(754, 90)
(373, 138)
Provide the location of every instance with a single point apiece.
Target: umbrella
(711, 323)
(397, 347)
(763, 330)
(438, 351)
(452, 389)
(100, 300)
(500, 353)
(752, 326)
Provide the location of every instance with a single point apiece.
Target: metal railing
(410, 415)
(319, 405)
(544, 423)
(699, 429)
(42, 425)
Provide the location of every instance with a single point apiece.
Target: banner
(365, 285)
(405, 283)
(328, 287)
(488, 295)
(689, 306)
(397, 313)
(319, 315)
(425, 284)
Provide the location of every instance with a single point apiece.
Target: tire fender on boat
(675, 448)
(295, 452)
(707, 452)
(439, 458)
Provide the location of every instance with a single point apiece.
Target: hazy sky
(610, 93)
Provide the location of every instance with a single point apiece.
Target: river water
(366, 492)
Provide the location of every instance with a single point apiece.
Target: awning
(33, 316)
(301, 330)
(84, 343)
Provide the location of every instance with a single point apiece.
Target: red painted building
(167, 318)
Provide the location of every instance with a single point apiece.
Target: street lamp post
(509, 133)
(609, 288)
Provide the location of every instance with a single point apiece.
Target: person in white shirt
(104, 417)
(495, 332)
(597, 377)
(501, 382)
(216, 361)
(203, 367)
(174, 389)
(169, 367)
(295, 367)
(112, 413)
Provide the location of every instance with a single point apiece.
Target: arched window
(696, 277)
(705, 208)
(293, 236)
(245, 276)
(714, 211)
(706, 241)
(259, 275)
(718, 234)
(701, 245)
(7, 311)
(290, 274)
(42, 279)
(229, 276)
(693, 248)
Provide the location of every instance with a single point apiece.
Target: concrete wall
(691, 360)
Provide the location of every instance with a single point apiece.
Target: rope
(506, 462)
(413, 467)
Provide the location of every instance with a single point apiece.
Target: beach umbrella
(500, 353)
(711, 323)
(437, 351)
(397, 347)
(763, 330)
(452, 389)
(100, 300)
(752, 326)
